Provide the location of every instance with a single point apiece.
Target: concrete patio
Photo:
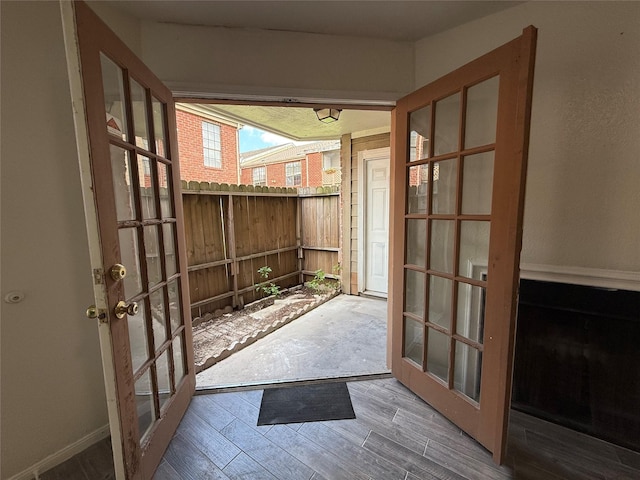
(343, 337)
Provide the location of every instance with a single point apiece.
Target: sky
(252, 138)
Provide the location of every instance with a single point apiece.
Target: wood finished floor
(395, 436)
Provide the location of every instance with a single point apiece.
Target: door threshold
(288, 383)
(372, 294)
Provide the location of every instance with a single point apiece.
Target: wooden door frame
(513, 136)
(363, 157)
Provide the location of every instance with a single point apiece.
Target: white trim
(594, 277)
(346, 164)
(246, 93)
(203, 112)
(62, 455)
(383, 153)
(371, 132)
(72, 52)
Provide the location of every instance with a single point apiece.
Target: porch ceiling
(301, 123)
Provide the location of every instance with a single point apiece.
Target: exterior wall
(246, 176)
(582, 196)
(276, 176)
(52, 383)
(360, 145)
(311, 168)
(191, 155)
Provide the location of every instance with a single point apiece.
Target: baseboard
(593, 277)
(62, 455)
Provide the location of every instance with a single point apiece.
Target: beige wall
(582, 189)
(52, 384)
(209, 59)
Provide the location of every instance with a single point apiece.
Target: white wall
(52, 383)
(215, 59)
(583, 198)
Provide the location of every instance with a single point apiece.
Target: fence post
(299, 237)
(232, 250)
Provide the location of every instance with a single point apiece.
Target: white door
(375, 228)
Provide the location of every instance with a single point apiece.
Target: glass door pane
(447, 127)
(140, 112)
(418, 195)
(420, 133)
(470, 313)
(467, 370)
(413, 340)
(445, 181)
(477, 184)
(482, 113)
(438, 354)
(112, 84)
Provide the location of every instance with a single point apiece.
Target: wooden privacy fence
(233, 230)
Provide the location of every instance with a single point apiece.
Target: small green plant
(318, 280)
(321, 282)
(267, 288)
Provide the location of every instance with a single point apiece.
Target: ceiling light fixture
(327, 115)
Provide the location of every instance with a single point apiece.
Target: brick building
(207, 145)
(310, 165)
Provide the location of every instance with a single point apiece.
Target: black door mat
(306, 403)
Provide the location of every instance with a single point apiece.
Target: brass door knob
(118, 272)
(92, 312)
(123, 309)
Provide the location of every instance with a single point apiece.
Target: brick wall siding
(246, 177)
(311, 168)
(192, 157)
(315, 170)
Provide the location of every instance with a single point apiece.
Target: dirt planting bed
(215, 337)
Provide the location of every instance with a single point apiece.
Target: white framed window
(331, 160)
(211, 145)
(293, 171)
(259, 175)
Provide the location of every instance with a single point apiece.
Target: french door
(134, 213)
(458, 174)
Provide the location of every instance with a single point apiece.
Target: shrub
(267, 288)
